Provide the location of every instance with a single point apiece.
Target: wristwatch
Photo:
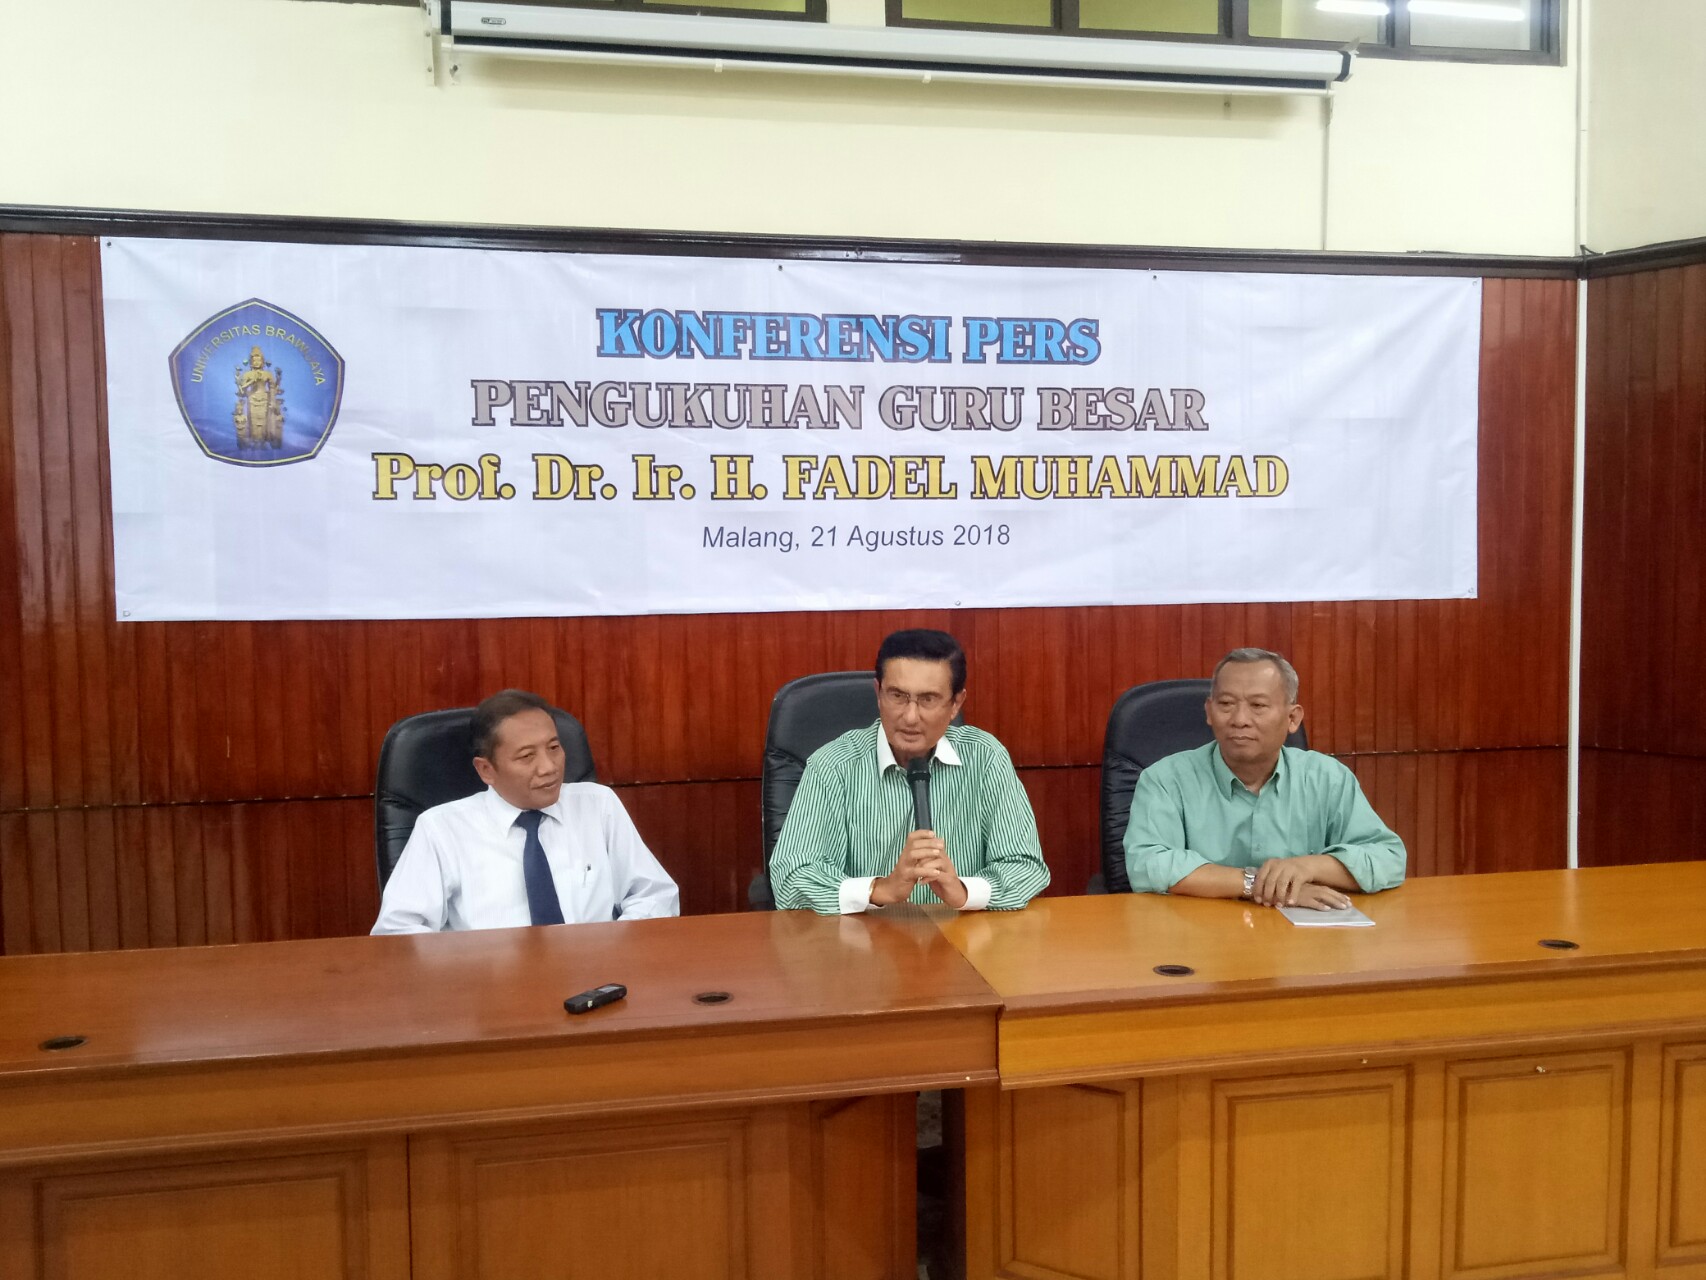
(1249, 882)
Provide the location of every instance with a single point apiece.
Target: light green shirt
(1189, 810)
(853, 812)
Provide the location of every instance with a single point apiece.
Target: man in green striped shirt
(848, 842)
(1247, 816)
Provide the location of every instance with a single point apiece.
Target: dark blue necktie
(542, 901)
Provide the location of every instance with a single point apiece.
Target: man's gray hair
(1288, 673)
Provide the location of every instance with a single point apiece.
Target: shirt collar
(504, 814)
(1229, 782)
(885, 754)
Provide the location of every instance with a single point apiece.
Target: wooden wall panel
(707, 833)
(1644, 535)
(1460, 812)
(1067, 804)
(162, 875)
(167, 782)
(1639, 806)
(159, 875)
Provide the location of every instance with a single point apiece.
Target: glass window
(1462, 30)
(1472, 24)
(1180, 17)
(983, 13)
(813, 10)
(1337, 21)
(773, 6)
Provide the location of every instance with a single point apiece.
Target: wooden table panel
(1534, 1160)
(773, 1193)
(335, 1212)
(1285, 1147)
(594, 1200)
(49, 1117)
(1385, 1019)
(863, 1161)
(1063, 1207)
(1682, 1155)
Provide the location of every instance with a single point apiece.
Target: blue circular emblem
(258, 386)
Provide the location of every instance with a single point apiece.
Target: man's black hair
(926, 646)
(490, 715)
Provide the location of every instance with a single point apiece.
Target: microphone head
(918, 768)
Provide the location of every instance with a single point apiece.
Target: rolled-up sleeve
(1370, 850)
(1156, 857)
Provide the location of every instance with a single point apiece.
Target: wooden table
(392, 1107)
(1439, 1096)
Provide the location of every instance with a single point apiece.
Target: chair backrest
(429, 759)
(804, 715)
(1148, 722)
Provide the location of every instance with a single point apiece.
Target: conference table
(424, 1106)
(1505, 1077)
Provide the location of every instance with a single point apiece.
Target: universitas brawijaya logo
(258, 386)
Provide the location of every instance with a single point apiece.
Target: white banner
(311, 431)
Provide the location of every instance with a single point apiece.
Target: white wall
(284, 106)
(1646, 93)
(1456, 156)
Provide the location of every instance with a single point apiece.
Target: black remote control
(609, 993)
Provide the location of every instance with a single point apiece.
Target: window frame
(814, 11)
(1547, 34)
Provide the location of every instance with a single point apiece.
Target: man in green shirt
(1247, 816)
(848, 842)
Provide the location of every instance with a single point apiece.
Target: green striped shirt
(851, 816)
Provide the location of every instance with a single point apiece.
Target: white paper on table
(1336, 918)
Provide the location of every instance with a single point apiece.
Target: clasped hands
(1291, 882)
(924, 858)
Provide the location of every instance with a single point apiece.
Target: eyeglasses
(900, 699)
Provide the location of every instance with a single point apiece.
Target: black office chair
(1148, 721)
(804, 715)
(429, 759)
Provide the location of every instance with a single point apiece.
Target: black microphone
(918, 778)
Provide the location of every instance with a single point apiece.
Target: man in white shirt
(527, 850)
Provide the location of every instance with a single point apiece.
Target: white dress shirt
(462, 866)
(856, 890)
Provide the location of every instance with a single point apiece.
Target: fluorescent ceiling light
(1362, 8)
(1469, 9)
